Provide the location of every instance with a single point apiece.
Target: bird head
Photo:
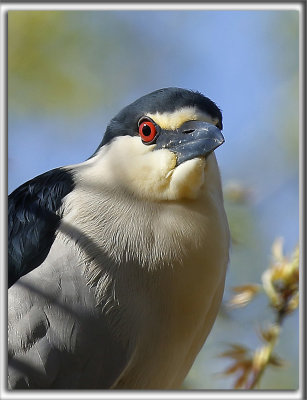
(160, 146)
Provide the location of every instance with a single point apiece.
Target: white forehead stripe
(173, 120)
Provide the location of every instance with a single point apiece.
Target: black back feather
(33, 219)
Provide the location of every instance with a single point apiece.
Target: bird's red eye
(147, 131)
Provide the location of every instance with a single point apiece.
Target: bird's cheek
(187, 179)
(149, 174)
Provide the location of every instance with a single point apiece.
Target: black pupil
(146, 130)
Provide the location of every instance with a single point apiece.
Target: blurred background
(70, 72)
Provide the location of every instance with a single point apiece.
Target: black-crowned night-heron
(117, 265)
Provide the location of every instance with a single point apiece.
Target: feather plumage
(118, 263)
(33, 218)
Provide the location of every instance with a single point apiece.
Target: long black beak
(192, 139)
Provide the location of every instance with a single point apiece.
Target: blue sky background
(245, 61)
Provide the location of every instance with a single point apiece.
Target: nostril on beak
(188, 131)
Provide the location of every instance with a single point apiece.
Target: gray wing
(57, 336)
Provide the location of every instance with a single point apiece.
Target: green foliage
(59, 61)
(40, 66)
